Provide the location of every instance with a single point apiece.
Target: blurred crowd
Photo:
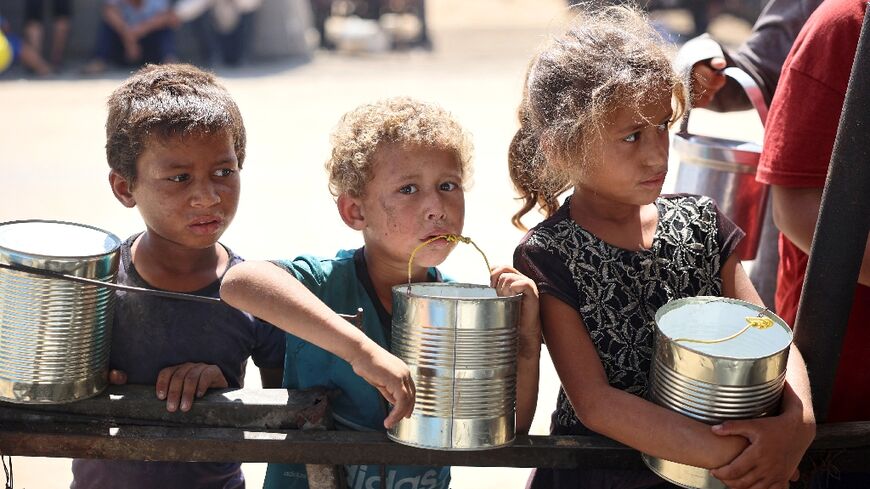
(133, 32)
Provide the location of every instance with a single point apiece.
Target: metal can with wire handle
(460, 342)
(715, 359)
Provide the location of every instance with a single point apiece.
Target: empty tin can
(460, 342)
(54, 333)
(711, 365)
(724, 170)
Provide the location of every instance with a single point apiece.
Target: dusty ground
(53, 163)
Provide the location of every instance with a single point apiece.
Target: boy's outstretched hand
(390, 376)
(180, 383)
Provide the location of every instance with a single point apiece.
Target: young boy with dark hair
(397, 171)
(176, 145)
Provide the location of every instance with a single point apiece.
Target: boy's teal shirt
(360, 406)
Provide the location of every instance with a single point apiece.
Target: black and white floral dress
(617, 291)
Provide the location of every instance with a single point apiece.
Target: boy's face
(415, 194)
(186, 188)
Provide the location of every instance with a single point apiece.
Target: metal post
(840, 237)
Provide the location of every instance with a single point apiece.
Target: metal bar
(846, 444)
(111, 285)
(840, 237)
(232, 408)
(355, 319)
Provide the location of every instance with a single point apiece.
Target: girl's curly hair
(608, 58)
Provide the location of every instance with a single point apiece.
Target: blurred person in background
(13, 49)
(134, 32)
(61, 11)
(221, 27)
(372, 10)
(418, 9)
(701, 61)
(761, 57)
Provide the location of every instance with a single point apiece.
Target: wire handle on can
(758, 322)
(450, 238)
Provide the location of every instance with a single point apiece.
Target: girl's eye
(631, 138)
(179, 178)
(448, 186)
(224, 172)
(408, 189)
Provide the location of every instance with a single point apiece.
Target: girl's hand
(179, 384)
(508, 281)
(776, 446)
(707, 80)
(390, 376)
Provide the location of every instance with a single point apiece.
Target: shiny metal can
(724, 170)
(55, 334)
(460, 342)
(711, 365)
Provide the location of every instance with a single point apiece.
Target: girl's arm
(619, 415)
(777, 443)
(508, 281)
(275, 296)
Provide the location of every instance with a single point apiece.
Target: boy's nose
(205, 194)
(436, 209)
(438, 215)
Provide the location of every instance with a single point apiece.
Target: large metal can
(460, 342)
(724, 170)
(54, 333)
(711, 365)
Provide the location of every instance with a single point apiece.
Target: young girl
(597, 105)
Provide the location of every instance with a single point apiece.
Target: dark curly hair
(167, 101)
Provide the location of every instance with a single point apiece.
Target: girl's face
(415, 194)
(629, 164)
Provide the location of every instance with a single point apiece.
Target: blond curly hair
(400, 120)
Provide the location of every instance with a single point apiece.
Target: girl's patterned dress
(616, 291)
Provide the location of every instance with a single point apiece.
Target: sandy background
(52, 161)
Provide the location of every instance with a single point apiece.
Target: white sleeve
(187, 10)
(698, 49)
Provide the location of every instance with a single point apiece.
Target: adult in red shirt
(798, 142)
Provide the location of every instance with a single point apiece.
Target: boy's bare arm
(275, 296)
(796, 211)
(271, 378)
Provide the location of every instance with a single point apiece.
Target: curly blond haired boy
(397, 171)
